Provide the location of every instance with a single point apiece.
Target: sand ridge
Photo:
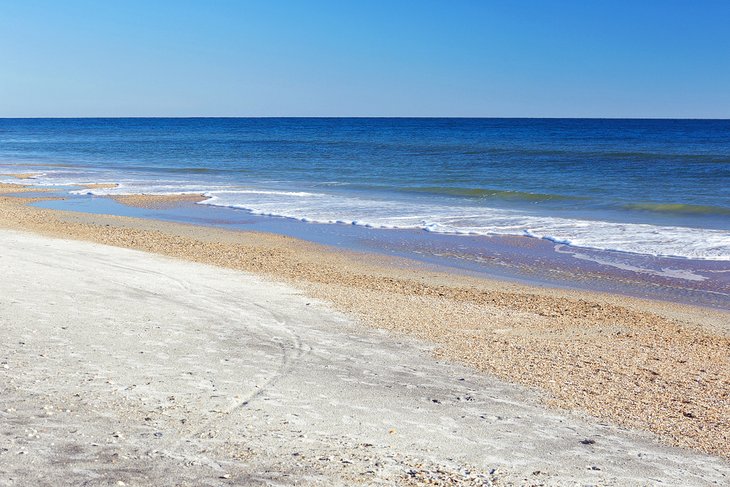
(653, 366)
(22, 176)
(158, 201)
(100, 186)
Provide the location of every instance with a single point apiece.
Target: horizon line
(425, 117)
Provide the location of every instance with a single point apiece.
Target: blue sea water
(653, 187)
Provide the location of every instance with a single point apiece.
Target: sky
(450, 58)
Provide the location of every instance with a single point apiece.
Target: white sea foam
(626, 237)
(674, 241)
(685, 274)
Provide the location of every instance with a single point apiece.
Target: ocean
(645, 187)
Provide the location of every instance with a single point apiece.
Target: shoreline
(520, 259)
(649, 365)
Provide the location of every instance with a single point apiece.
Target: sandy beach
(255, 358)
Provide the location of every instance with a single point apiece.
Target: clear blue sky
(582, 58)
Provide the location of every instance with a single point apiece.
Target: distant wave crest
(486, 193)
(679, 208)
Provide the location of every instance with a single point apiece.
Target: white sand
(122, 366)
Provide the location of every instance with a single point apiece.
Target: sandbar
(158, 201)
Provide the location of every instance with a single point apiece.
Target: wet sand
(653, 366)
